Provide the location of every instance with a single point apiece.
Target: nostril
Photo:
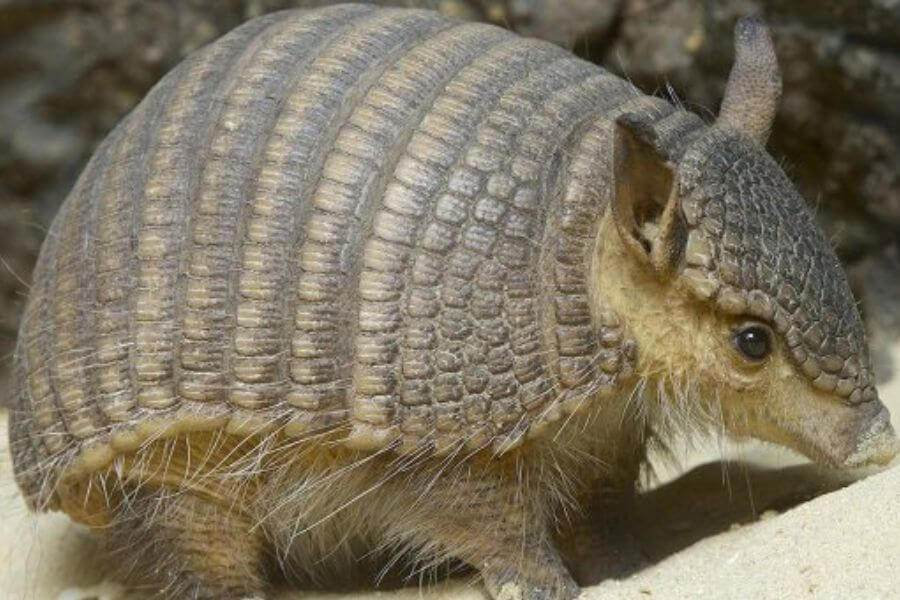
(876, 441)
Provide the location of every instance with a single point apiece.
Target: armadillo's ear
(754, 85)
(645, 202)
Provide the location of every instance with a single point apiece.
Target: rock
(877, 281)
(21, 233)
(564, 22)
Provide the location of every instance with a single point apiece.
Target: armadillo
(375, 284)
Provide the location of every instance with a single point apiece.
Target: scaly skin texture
(374, 285)
(366, 250)
(775, 274)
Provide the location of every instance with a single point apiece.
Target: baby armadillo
(374, 286)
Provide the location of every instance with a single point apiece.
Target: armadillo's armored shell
(350, 217)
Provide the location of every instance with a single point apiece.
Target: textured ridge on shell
(347, 218)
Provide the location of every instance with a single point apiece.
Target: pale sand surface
(771, 527)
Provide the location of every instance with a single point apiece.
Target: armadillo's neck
(591, 352)
(670, 331)
(620, 284)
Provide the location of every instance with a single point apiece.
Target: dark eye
(753, 342)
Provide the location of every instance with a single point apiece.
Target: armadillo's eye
(753, 341)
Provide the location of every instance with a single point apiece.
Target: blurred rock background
(70, 69)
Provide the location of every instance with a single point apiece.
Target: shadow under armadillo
(707, 500)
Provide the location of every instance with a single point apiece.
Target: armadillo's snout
(876, 441)
(828, 429)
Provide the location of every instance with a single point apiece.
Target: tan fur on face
(685, 348)
(677, 337)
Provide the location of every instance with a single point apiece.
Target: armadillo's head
(732, 290)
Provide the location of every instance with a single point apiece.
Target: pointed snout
(827, 428)
(848, 436)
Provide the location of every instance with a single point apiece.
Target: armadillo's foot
(545, 580)
(492, 524)
(177, 545)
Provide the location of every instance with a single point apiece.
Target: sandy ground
(768, 527)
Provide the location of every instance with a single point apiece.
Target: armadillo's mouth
(876, 443)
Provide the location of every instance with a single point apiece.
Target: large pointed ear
(645, 203)
(754, 85)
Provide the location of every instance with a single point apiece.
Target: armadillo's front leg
(498, 528)
(530, 572)
(177, 545)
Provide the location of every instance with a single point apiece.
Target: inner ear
(645, 203)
